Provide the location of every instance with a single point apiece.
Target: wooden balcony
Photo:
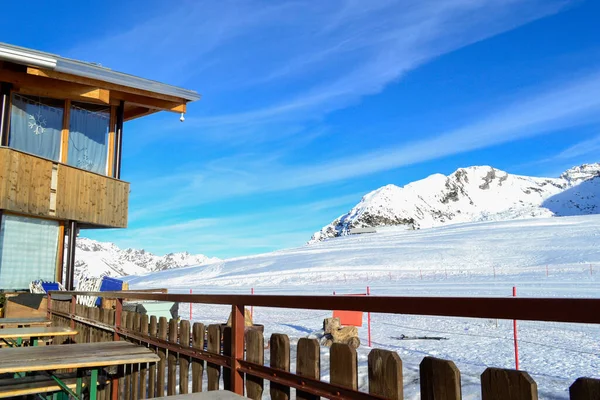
(35, 186)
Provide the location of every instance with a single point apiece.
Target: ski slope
(550, 257)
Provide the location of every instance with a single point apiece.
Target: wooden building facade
(61, 132)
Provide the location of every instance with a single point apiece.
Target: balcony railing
(35, 186)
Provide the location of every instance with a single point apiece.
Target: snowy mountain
(95, 258)
(479, 193)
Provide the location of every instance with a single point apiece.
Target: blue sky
(308, 105)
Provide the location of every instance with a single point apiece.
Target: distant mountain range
(479, 193)
(93, 258)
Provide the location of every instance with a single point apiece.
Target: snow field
(474, 260)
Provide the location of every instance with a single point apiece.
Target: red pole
(190, 307)
(515, 335)
(252, 307)
(369, 318)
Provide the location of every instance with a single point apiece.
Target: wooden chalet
(61, 131)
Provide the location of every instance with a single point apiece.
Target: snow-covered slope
(543, 257)
(95, 258)
(515, 246)
(472, 194)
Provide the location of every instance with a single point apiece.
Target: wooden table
(81, 356)
(34, 333)
(17, 322)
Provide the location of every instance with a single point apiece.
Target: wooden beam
(61, 252)
(111, 141)
(64, 135)
(106, 85)
(136, 112)
(147, 102)
(38, 86)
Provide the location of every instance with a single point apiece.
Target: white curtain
(28, 251)
(88, 140)
(35, 127)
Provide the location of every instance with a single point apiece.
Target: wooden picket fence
(195, 357)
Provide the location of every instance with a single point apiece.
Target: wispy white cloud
(562, 106)
(360, 49)
(583, 148)
(278, 227)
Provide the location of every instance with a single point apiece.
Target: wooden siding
(27, 187)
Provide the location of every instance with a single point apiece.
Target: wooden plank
(279, 345)
(162, 354)
(128, 368)
(440, 380)
(39, 331)
(507, 384)
(98, 83)
(197, 365)
(585, 389)
(38, 86)
(110, 156)
(213, 371)
(135, 375)
(25, 322)
(81, 355)
(308, 363)
(344, 366)
(25, 183)
(172, 359)
(31, 385)
(152, 373)
(255, 352)
(144, 367)
(64, 133)
(60, 251)
(184, 361)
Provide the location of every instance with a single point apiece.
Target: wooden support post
(308, 364)
(162, 354)
(73, 306)
(152, 375)
(184, 361)
(280, 358)
(440, 380)
(197, 365)
(172, 360)
(255, 353)
(507, 384)
(344, 366)
(213, 371)
(585, 389)
(237, 347)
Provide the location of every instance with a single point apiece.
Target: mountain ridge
(94, 258)
(471, 194)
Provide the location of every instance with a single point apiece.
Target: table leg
(94, 384)
(79, 383)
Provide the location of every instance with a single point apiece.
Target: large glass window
(28, 251)
(35, 125)
(88, 137)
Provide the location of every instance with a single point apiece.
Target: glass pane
(35, 126)
(28, 250)
(88, 138)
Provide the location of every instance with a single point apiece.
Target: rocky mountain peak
(470, 194)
